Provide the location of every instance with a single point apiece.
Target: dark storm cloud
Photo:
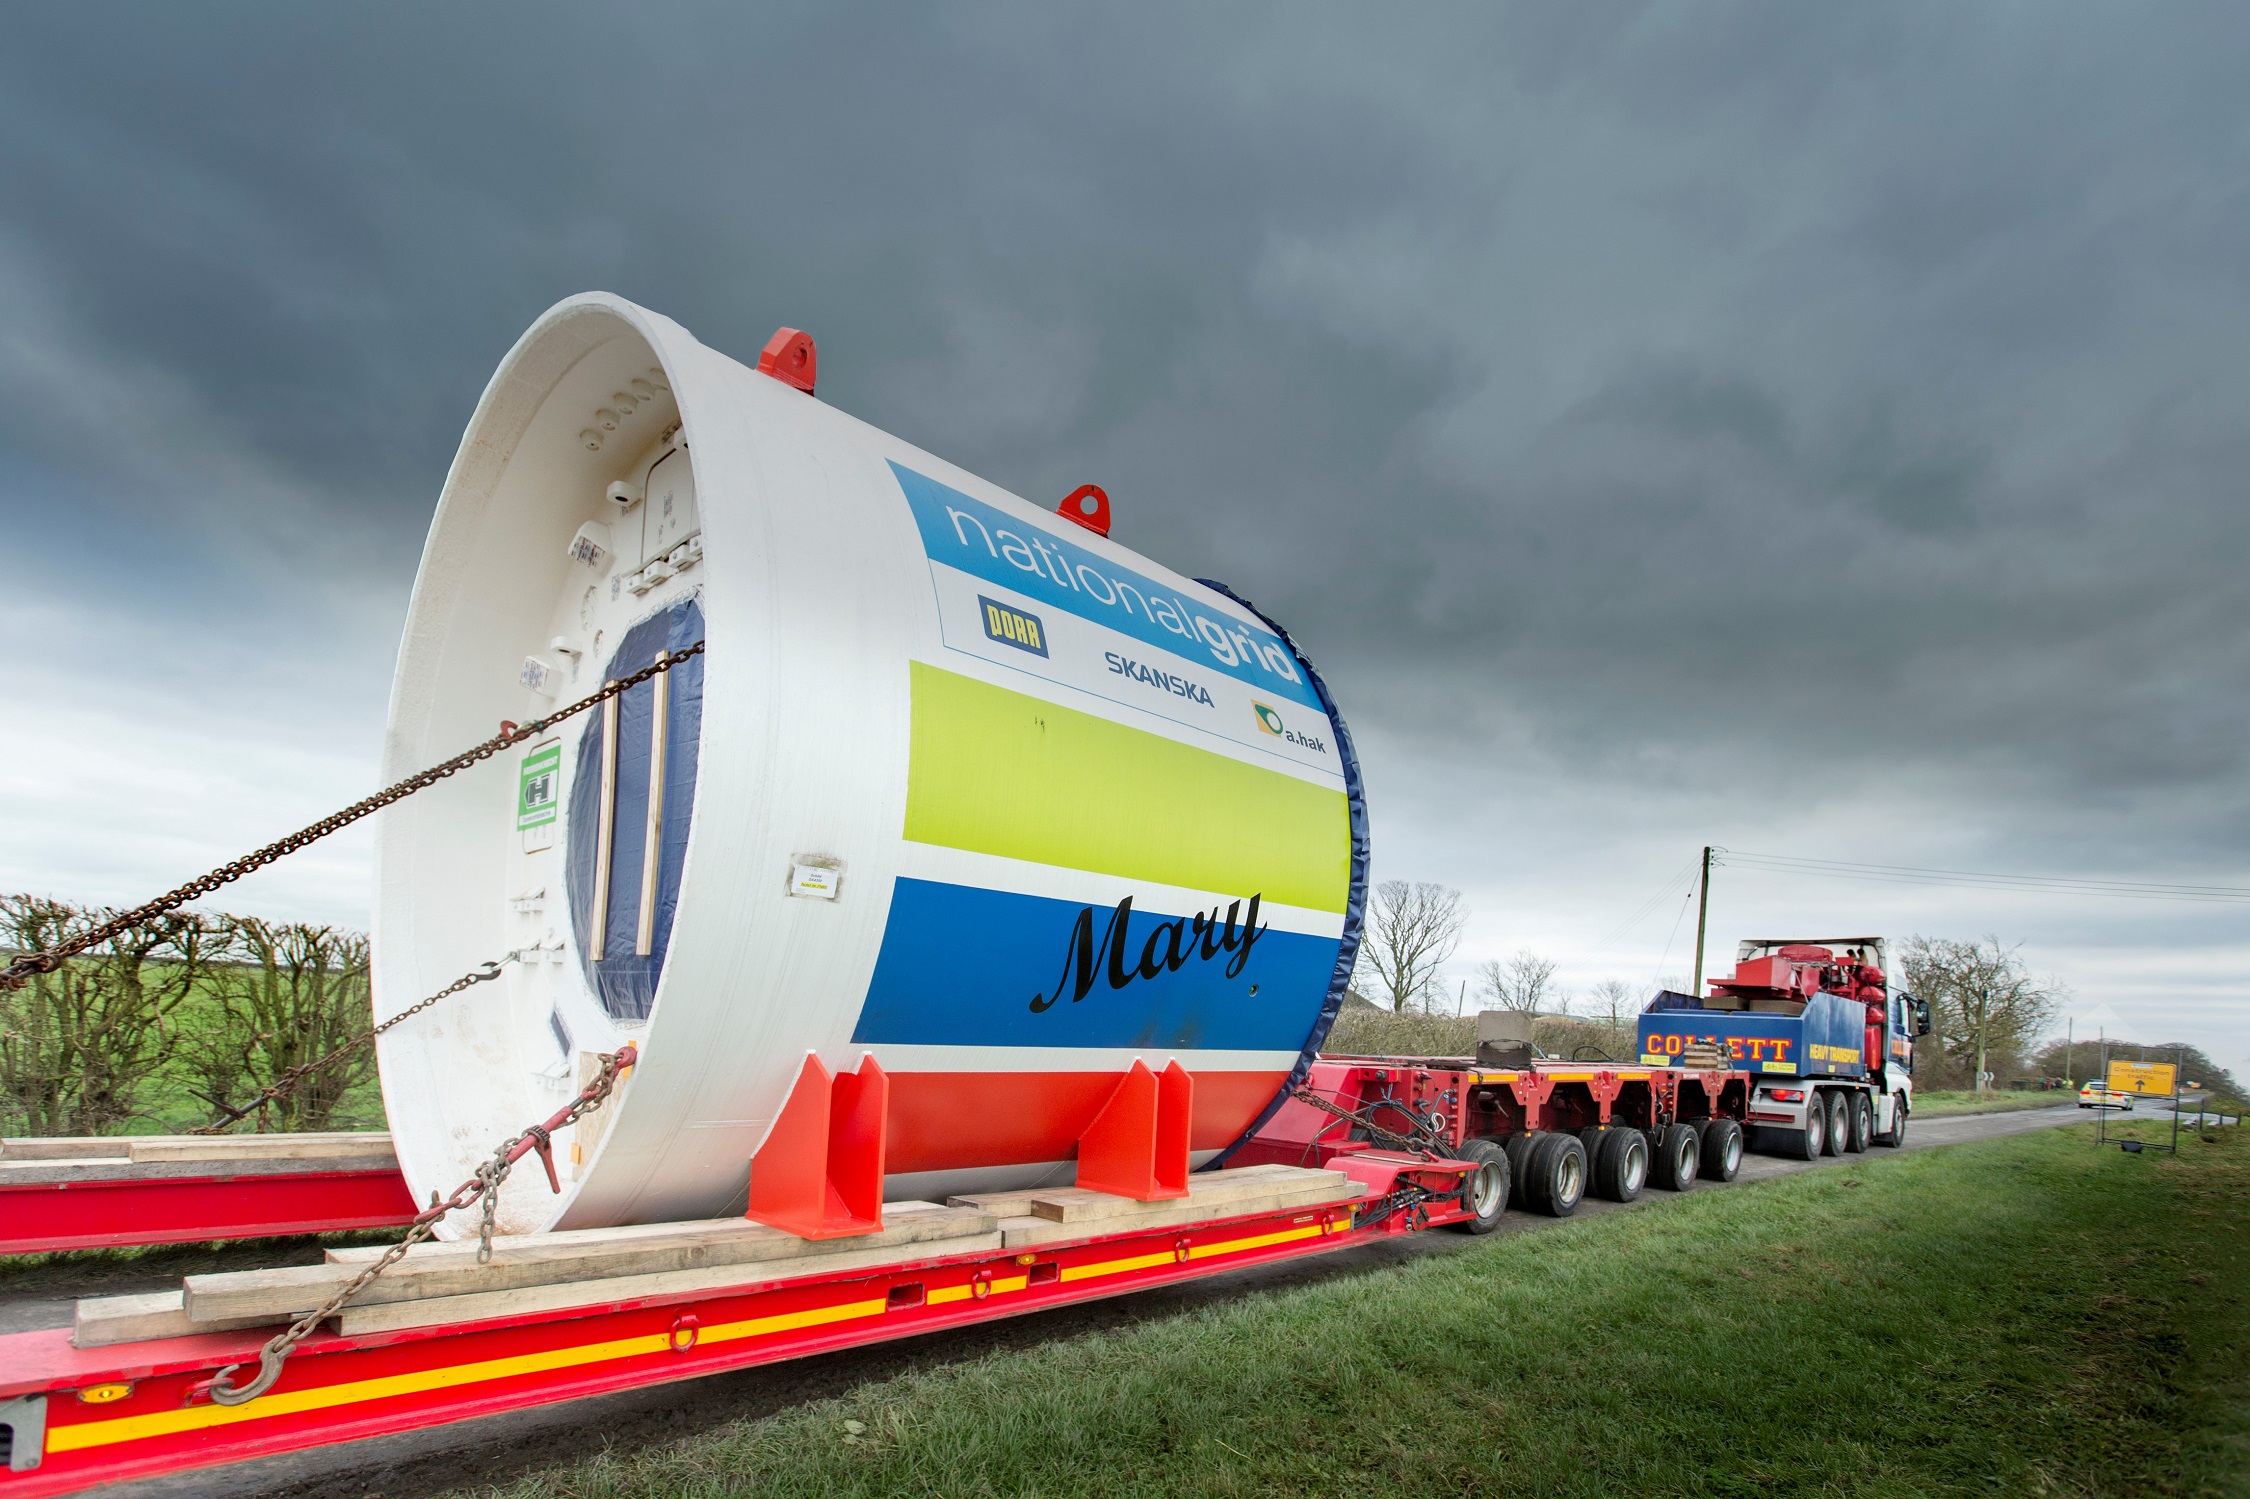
(1593, 381)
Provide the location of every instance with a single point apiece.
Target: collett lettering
(1170, 946)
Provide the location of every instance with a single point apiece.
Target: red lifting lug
(790, 357)
(1088, 505)
(507, 728)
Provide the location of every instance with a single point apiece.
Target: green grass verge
(1938, 1102)
(2020, 1316)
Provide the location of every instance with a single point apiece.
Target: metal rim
(1570, 1179)
(1488, 1191)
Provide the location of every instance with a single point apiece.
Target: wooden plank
(336, 1145)
(103, 1320)
(549, 1259)
(1021, 1202)
(443, 1310)
(64, 1148)
(1076, 1205)
(1028, 1232)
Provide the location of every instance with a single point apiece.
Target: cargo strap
(484, 1186)
(27, 966)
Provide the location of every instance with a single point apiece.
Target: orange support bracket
(820, 1173)
(1137, 1146)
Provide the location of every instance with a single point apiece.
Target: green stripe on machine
(997, 772)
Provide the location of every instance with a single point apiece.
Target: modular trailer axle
(1545, 1134)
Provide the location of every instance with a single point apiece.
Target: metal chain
(485, 1184)
(29, 965)
(289, 1081)
(1424, 1140)
(1410, 1196)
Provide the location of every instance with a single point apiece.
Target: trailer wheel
(1722, 1150)
(1895, 1136)
(1862, 1123)
(1484, 1191)
(1621, 1165)
(1677, 1150)
(1839, 1123)
(1519, 1149)
(1558, 1176)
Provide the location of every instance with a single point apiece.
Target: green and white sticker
(537, 784)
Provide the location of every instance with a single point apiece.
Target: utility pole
(2070, 1029)
(1702, 918)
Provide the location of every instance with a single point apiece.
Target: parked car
(2098, 1096)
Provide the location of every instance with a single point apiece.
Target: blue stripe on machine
(989, 543)
(965, 966)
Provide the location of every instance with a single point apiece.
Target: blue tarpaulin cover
(626, 983)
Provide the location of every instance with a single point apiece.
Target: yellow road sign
(2143, 1077)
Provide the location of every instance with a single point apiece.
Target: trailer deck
(75, 1417)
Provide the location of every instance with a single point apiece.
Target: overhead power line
(1907, 874)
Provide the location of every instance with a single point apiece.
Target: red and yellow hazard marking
(353, 1392)
(85, 1435)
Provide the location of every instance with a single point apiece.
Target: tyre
(1558, 1176)
(1895, 1136)
(1806, 1144)
(1860, 1110)
(1839, 1123)
(1722, 1150)
(1484, 1191)
(1621, 1165)
(1519, 1149)
(1677, 1156)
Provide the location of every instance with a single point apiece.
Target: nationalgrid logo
(1013, 627)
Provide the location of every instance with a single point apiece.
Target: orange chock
(1137, 1146)
(820, 1173)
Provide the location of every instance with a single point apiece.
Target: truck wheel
(1558, 1176)
(1862, 1115)
(1484, 1191)
(1722, 1150)
(1839, 1124)
(1895, 1136)
(1677, 1150)
(1807, 1144)
(1519, 1149)
(1621, 1165)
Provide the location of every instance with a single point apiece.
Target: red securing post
(1137, 1146)
(789, 356)
(820, 1173)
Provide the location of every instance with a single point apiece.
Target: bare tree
(1411, 931)
(1524, 982)
(1983, 1002)
(295, 994)
(76, 1045)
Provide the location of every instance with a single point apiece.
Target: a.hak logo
(1270, 720)
(1014, 627)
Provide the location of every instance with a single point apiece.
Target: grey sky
(1817, 430)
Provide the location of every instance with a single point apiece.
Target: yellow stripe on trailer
(359, 1391)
